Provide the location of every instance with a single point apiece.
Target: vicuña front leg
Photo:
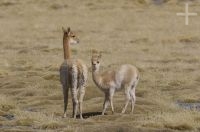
(112, 91)
(82, 93)
(105, 104)
(127, 100)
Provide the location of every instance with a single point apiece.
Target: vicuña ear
(68, 29)
(64, 30)
(100, 54)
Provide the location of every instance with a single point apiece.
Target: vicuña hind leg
(133, 99)
(74, 98)
(75, 103)
(127, 99)
(65, 94)
(82, 93)
(74, 91)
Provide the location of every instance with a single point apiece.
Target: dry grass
(25, 122)
(38, 120)
(6, 103)
(185, 120)
(140, 32)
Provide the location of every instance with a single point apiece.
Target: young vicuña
(126, 76)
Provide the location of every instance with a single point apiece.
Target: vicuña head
(70, 36)
(95, 60)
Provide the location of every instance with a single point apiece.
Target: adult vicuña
(126, 76)
(73, 74)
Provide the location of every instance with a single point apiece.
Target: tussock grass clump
(191, 100)
(189, 40)
(58, 6)
(3, 73)
(142, 1)
(41, 103)
(51, 125)
(164, 103)
(38, 119)
(40, 88)
(197, 79)
(141, 93)
(153, 125)
(180, 120)
(179, 126)
(7, 3)
(25, 122)
(155, 1)
(6, 103)
(32, 90)
(197, 119)
(2, 113)
(176, 83)
(54, 77)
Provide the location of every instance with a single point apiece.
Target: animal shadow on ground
(89, 114)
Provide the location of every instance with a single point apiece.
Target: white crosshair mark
(186, 14)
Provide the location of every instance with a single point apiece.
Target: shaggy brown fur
(73, 75)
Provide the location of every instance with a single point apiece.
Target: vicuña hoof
(64, 116)
(122, 112)
(81, 117)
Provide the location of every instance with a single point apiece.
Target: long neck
(66, 48)
(97, 78)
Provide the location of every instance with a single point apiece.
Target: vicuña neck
(66, 47)
(97, 78)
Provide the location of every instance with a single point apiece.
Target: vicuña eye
(98, 62)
